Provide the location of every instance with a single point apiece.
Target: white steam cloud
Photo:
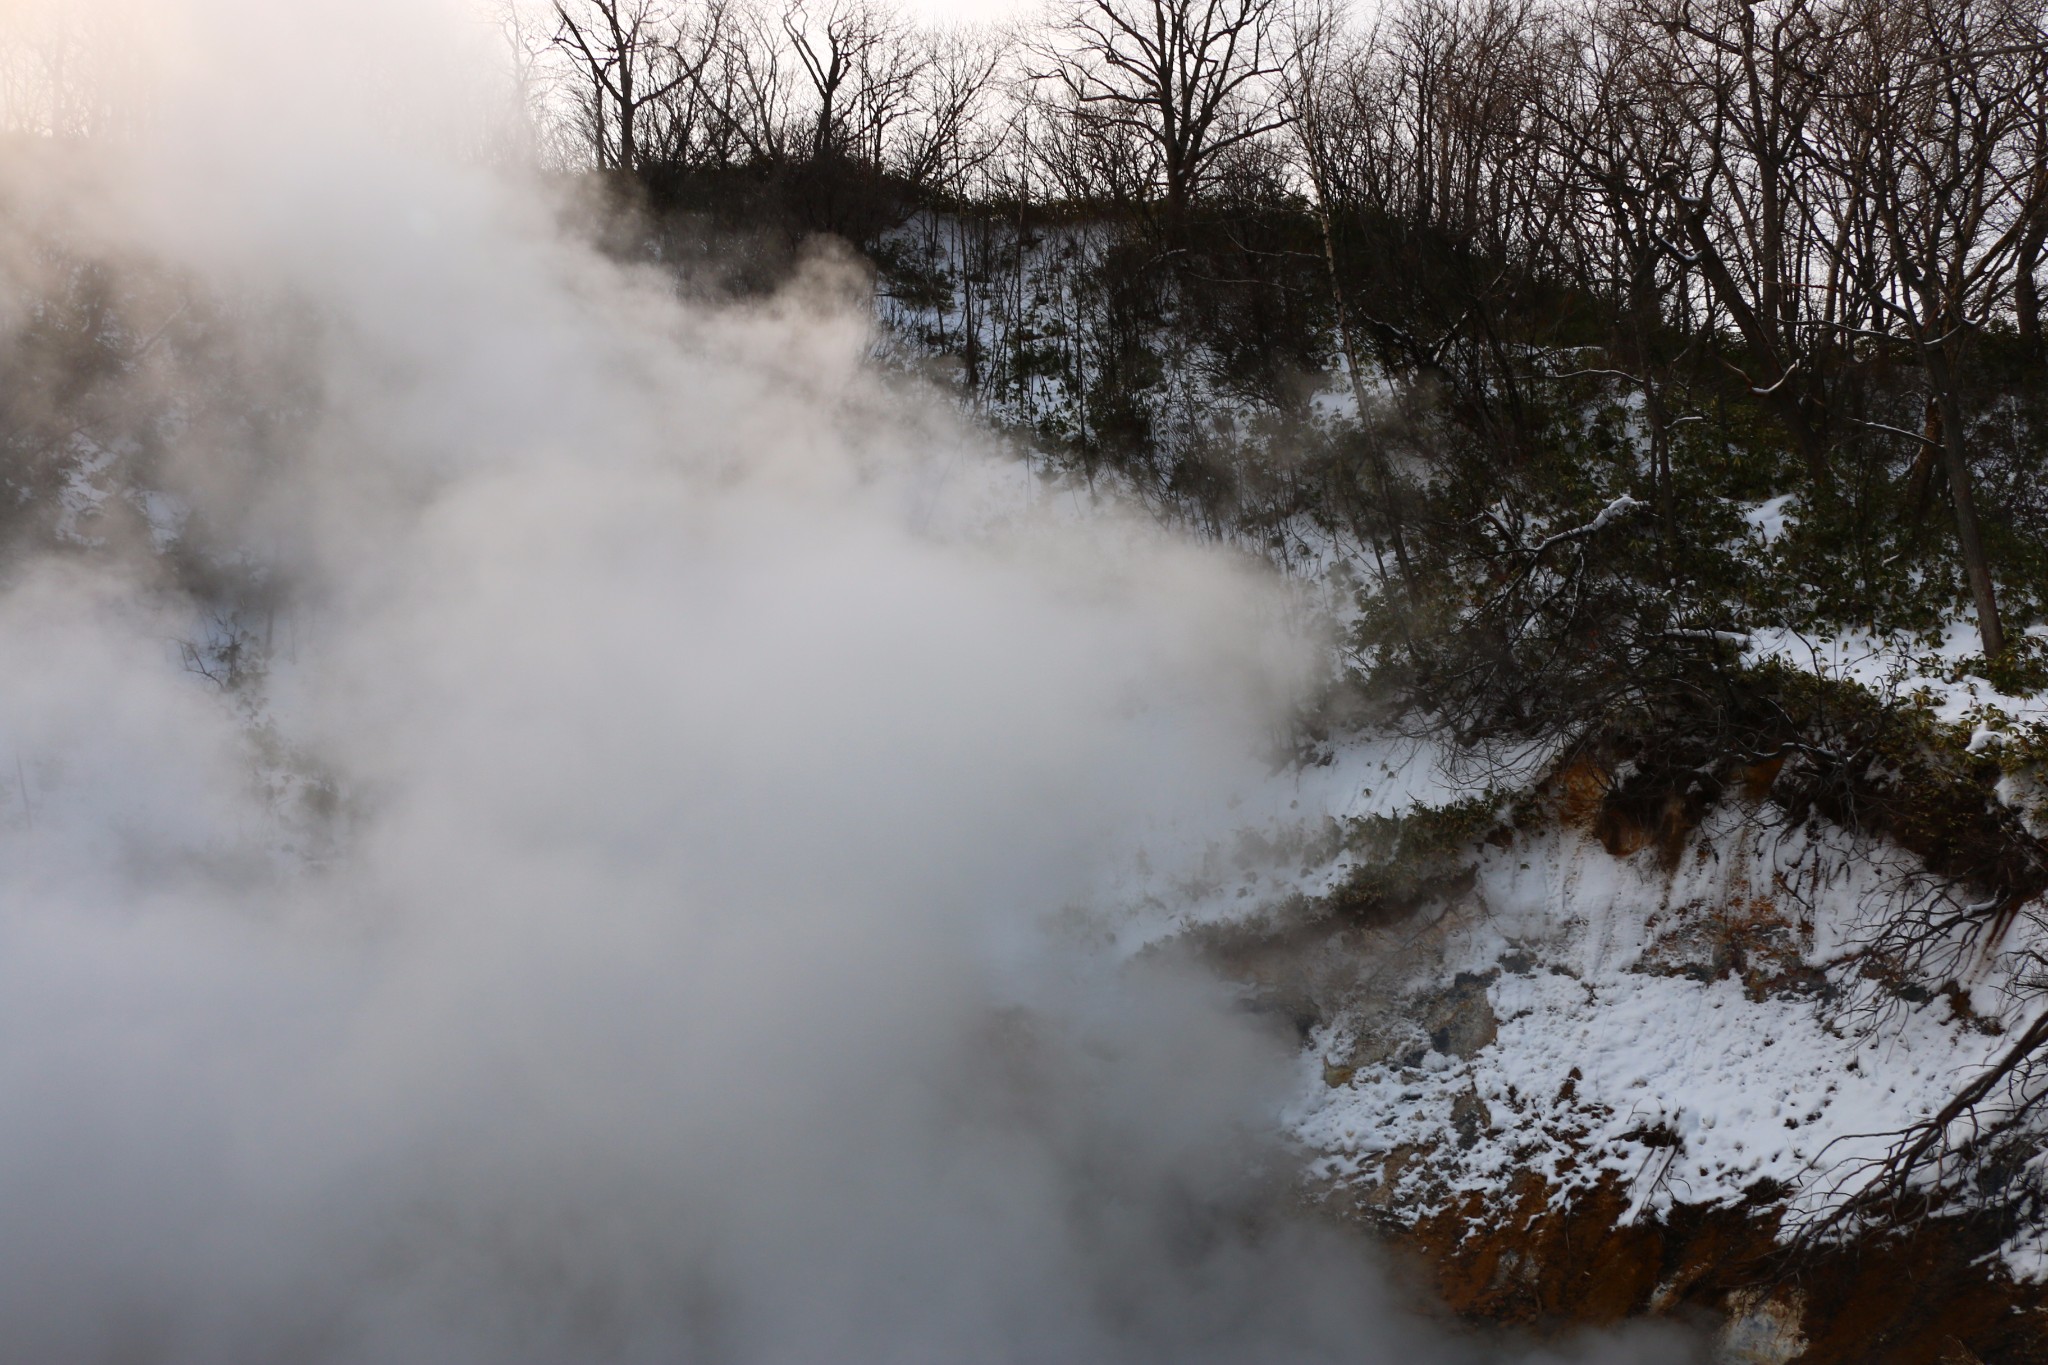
(628, 929)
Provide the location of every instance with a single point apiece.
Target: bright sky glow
(971, 10)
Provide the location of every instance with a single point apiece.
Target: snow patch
(1668, 1029)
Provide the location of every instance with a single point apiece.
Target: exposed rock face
(1763, 1327)
(1461, 1021)
(1926, 1298)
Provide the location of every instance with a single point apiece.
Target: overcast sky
(971, 9)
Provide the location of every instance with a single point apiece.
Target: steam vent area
(1023, 682)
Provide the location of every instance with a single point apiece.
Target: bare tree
(1184, 80)
(950, 135)
(2028, 253)
(632, 55)
(748, 90)
(1312, 94)
(1464, 88)
(1429, 147)
(1612, 128)
(68, 71)
(1937, 101)
(1744, 78)
(861, 65)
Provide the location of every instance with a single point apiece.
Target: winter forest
(779, 681)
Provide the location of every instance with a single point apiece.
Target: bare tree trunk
(1920, 478)
(1660, 468)
(2027, 289)
(1955, 459)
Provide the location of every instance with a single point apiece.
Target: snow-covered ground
(1699, 1031)
(1674, 1029)
(1905, 667)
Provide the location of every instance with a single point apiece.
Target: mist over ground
(638, 913)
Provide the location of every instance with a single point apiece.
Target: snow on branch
(1609, 514)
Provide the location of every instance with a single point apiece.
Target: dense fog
(633, 902)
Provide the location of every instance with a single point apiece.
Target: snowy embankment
(1695, 1028)
(1681, 1031)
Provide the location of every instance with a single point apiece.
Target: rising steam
(616, 914)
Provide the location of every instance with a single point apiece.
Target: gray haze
(628, 927)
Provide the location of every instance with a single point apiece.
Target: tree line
(1787, 187)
